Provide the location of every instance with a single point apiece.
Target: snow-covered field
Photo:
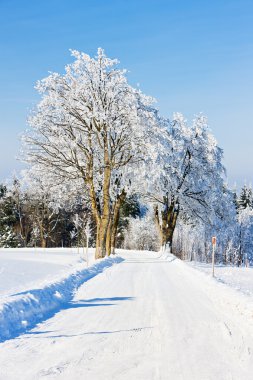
(22, 269)
(146, 317)
(239, 278)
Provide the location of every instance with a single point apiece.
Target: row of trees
(31, 216)
(94, 140)
(28, 217)
(235, 244)
(192, 241)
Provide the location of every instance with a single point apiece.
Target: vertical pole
(213, 260)
(213, 255)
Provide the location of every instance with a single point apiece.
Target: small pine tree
(245, 198)
(8, 239)
(7, 219)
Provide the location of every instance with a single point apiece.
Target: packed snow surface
(147, 317)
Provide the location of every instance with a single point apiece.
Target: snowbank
(24, 310)
(239, 278)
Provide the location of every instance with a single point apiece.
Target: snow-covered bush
(142, 234)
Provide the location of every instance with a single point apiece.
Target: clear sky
(191, 55)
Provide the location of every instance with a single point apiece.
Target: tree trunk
(101, 236)
(105, 219)
(43, 242)
(167, 225)
(101, 214)
(101, 222)
(95, 212)
(115, 220)
(158, 224)
(113, 238)
(108, 238)
(98, 254)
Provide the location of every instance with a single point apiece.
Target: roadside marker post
(213, 254)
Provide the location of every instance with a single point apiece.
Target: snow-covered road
(144, 318)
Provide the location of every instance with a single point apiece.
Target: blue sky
(192, 56)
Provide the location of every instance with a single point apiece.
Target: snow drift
(24, 310)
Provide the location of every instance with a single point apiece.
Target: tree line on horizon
(29, 220)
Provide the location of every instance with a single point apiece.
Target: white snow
(148, 317)
(44, 296)
(26, 268)
(240, 278)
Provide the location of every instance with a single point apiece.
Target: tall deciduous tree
(91, 125)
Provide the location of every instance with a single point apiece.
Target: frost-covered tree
(51, 208)
(91, 125)
(43, 217)
(21, 209)
(189, 178)
(141, 234)
(245, 220)
(194, 242)
(189, 241)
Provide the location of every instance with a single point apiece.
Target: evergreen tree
(8, 238)
(245, 198)
(8, 219)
